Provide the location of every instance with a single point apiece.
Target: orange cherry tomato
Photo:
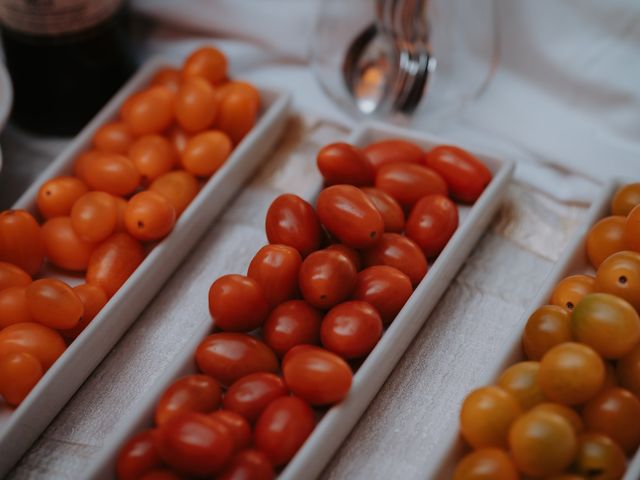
(112, 173)
(149, 216)
(237, 114)
(343, 163)
(632, 230)
(408, 183)
(625, 199)
(113, 137)
(196, 105)
(608, 324)
(570, 291)
(63, 246)
(391, 151)
(248, 465)
(194, 444)
(42, 342)
(292, 221)
(351, 253)
(620, 275)
(389, 208)
(113, 261)
(57, 196)
(237, 425)
(466, 176)
(53, 303)
(13, 276)
(386, 288)
(399, 252)
(521, 381)
(349, 215)
(167, 77)
(486, 415)
(138, 456)
(282, 428)
(327, 277)
(275, 268)
(486, 463)
(13, 306)
(316, 375)
(571, 373)
(542, 443)
(615, 412)
(432, 222)
(605, 238)
(600, 455)
(228, 357)
(351, 329)
(628, 370)
(149, 111)
(83, 162)
(251, 394)
(291, 323)
(234, 86)
(206, 62)
(21, 240)
(568, 413)
(237, 303)
(193, 393)
(178, 187)
(19, 373)
(93, 299)
(548, 326)
(206, 152)
(153, 156)
(94, 216)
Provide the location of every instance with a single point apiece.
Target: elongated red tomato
(292, 323)
(292, 221)
(466, 176)
(138, 456)
(408, 183)
(317, 375)
(13, 276)
(238, 427)
(349, 215)
(327, 277)
(283, 427)
(275, 268)
(193, 393)
(248, 465)
(385, 288)
(389, 208)
(21, 240)
(392, 151)
(237, 303)
(230, 356)
(251, 394)
(432, 222)
(399, 252)
(351, 253)
(351, 329)
(344, 163)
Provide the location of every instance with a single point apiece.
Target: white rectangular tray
(19, 428)
(573, 260)
(339, 420)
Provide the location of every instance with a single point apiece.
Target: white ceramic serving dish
(20, 427)
(573, 261)
(339, 420)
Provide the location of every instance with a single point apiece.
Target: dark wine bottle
(66, 58)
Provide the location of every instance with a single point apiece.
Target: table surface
(478, 313)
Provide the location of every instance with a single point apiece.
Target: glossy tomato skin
(14, 307)
(391, 151)
(13, 276)
(149, 216)
(282, 429)
(19, 373)
(251, 394)
(21, 240)
(386, 288)
(62, 245)
(570, 290)
(148, 111)
(228, 357)
(206, 62)
(408, 183)
(237, 114)
(400, 252)
(93, 299)
(138, 456)
(486, 463)
(343, 163)
(57, 196)
(178, 187)
(292, 221)
(248, 465)
(432, 222)
(53, 303)
(605, 238)
(276, 268)
(94, 216)
(113, 261)
(389, 208)
(237, 303)
(351, 329)
(327, 277)
(42, 342)
(195, 105)
(316, 375)
(112, 173)
(598, 453)
(548, 326)
(351, 253)
(195, 444)
(206, 152)
(466, 176)
(349, 215)
(292, 323)
(619, 275)
(193, 393)
(625, 199)
(632, 230)
(238, 427)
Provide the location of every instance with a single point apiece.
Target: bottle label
(54, 17)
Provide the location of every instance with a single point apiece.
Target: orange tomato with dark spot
(252, 393)
(570, 290)
(276, 268)
(42, 342)
(385, 288)
(292, 221)
(343, 163)
(289, 324)
(62, 245)
(21, 240)
(113, 137)
(237, 303)
(149, 216)
(57, 196)
(327, 277)
(178, 187)
(408, 183)
(432, 222)
(391, 151)
(193, 393)
(196, 105)
(389, 208)
(138, 456)
(399, 252)
(351, 329)
(619, 275)
(153, 156)
(13, 276)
